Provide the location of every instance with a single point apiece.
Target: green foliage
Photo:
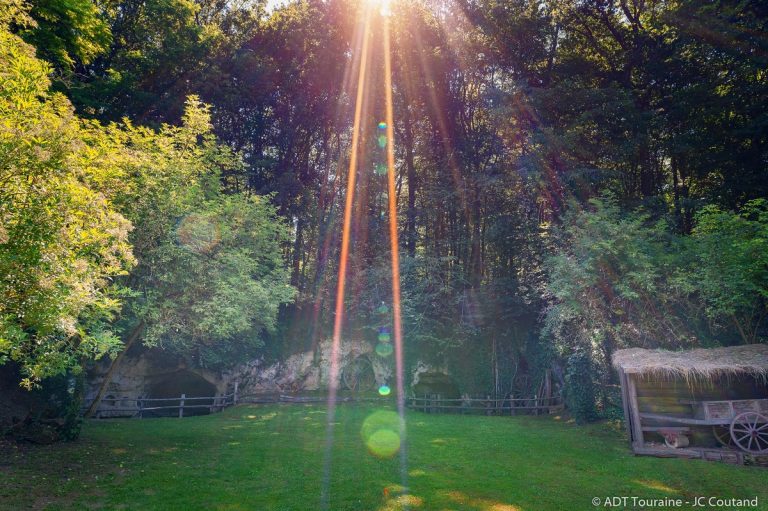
(579, 385)
(15, 13)
(622, 277)
(612, 277)
(509, 116)
(623, 280)
(48, 413)
(220, 279)
(64, 394)
(61, 241)
(67, 32)
(79, 199)
(730, 267)
(159, 52)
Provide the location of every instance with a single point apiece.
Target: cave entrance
(172, 386)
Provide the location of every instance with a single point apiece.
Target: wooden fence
(435, 403)
(428, 403)
(137, 407)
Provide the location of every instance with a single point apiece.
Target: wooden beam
(625, 404)
(637, 428)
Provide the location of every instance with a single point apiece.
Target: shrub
(579, 387)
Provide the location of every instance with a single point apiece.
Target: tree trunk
(296, 255)
(132, 338)
(411, 177)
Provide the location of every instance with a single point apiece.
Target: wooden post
(181, 406)
(234, 396)
(625, 404)
(637, 428)
(140, 405)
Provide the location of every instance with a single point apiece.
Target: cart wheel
(749, 431)
(359, 375)
(723, 435)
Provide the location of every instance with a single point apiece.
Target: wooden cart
(740, 423)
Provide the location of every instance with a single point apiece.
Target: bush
(579, 387)
(48, 413)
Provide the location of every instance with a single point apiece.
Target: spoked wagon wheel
(723, 435)
(358, 375)
(749, 431)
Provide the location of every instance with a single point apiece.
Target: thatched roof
(695, 364)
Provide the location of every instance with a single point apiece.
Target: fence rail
(435, 403)
(213, 404)
(428, 403)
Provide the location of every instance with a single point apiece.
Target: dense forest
(572, 177)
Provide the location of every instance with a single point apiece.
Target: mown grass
(271, 458)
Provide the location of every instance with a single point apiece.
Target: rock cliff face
(146, 375)
(358, 365)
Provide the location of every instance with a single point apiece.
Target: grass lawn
(271, 458)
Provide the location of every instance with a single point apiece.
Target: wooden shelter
(702, 403)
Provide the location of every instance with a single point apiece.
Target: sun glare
(384, 6)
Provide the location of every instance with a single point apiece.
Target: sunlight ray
(442, 124)
(330, 187)
(394, 247)
(338, 319)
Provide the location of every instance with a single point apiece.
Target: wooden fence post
(140, 405)
(234, 396)
(181, 406)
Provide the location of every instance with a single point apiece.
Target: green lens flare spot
(380, 169)
(384, 390)
(380, 433)
(382, 141)
(384, 444)
(380, 419)
(384, 350)
(382, 125)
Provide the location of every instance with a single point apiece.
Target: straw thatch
(698, 364)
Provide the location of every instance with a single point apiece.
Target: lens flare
(394, 248)
(384, 433)
(384, 390)
(384, 350)
(384, 444)
(380, 432)
(333, 377)
(199, 233)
